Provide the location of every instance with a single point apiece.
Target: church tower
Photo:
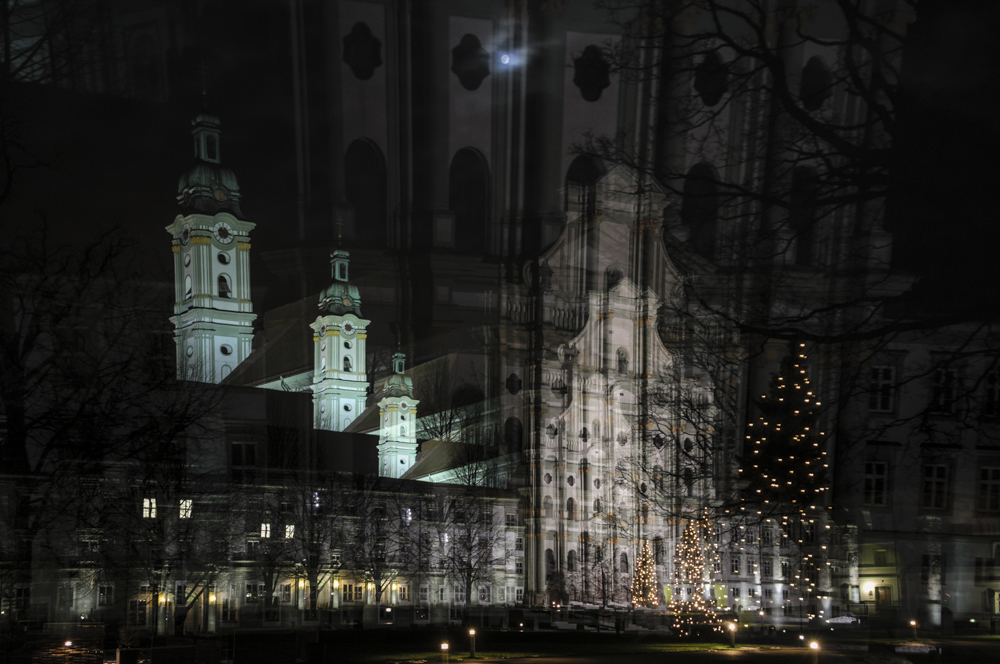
(397, 409)
(213, 315)
(340, 382)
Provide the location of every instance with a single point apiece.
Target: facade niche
(802, 208)
(700, 207)
(365, 185)
(469, 199)
(591, 73)
(711, 79)
(362, 51)
(817, 84)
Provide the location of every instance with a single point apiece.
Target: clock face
(220, 194)
(348, 327)
(223, 232)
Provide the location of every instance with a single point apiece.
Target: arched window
(570, 509)
(597, 506)
(187, 287)
(658, 550)
(224, 288)
(365, 185)
(469, 199)
(597, 429)
(550, 562)
(700, 207)
(599, 552)
(622, 357)
(612, 276)
(571, 561)
(688, 481)
(547, 506)
(513, 434)
(816, 85)
(802, 206)
(658, 478)
(623, 563)
(347, 364)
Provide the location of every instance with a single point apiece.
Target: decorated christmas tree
(644, 590)
(696, 554)
(785, 467)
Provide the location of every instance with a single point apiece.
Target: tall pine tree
(644, 590)
(696, 554)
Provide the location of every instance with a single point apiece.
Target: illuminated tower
(397, 409)
(340, 383)
(213, 315)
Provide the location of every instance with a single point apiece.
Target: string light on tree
(644, 587)
(696, 555)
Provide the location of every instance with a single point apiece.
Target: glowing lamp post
(472, 643)
(732, 635)
(913, 624)
(814, 647)
(444, 652)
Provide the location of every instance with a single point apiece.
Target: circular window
(570, 481)
(642, 488)
(348, 327)
(322, 408)
(224, 258)
(402, 417)
(622, 439)
(403, 405)
(190, 351)
(322, 346)
(548, 478)
(597, 484)
(347, 407)
(226, 350)
(187, 260)
(347, 344)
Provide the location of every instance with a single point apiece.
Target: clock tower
(213, 315)
(397, 409)
(340, 381)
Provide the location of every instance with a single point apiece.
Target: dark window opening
(700, 207)
(469, 199)
(365, 188)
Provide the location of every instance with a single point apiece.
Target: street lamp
(913, 624)
(472, 641)
(444, 651)
(732, 635)
(814, 646)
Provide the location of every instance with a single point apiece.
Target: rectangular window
(767, 536)
(425, 593)
(518, 567)
(784, 569)
(459, 594)
(735, 565)
(765, 568)
(244, 462)
(881, 384)
(752, 592)
(734, 593)
(768, 593)
(149, 508)
(943, 391)
(253, 549)
(254, 591)
(511, 520)
(991, 396)
(881, 557)
(985, 570)
(484, 594)
(717, 567)
(876, 473)
(519, 595)
(347, 592)
(934, 487)
(137, 612)
(228, 610)
(359, 592)
(105, 595)
(286, 592)
(519, 544)
(404, 593)
(751, 565)
(289, 532)
(442, 594)
(751, 536)
(265, 530)
(784, 595)
(717, 534)
(988, 491)
(186, 507)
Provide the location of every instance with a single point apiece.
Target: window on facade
(425, 593)
(289, 531)
(186, 507)
(229, 610)
(767, 536)
(519, 544)
(784, 569)
(547, 506)
(484, 594)
(700, 207)
(991, 395)
(944, 382)
(244, 462)
(734, 565)
(459, 594)
(570, 509)
(137, 612)
(881, 557)
(224, 289)
(149, 508)
(404, 593)
(518, 567)
(519, 595)
(286, 592)
(988, 490)
(511, 520)
(985, 570)
(717, 566)
(622, 357)
(571, 561)
(876, 473)
(881, 385)
(934, 487)
(658, 550)
(265, 530)
(253, 591)
(105, 595)
(766, 570)
(623, 563)
(751, 536)
(816, 84)
(734, 593)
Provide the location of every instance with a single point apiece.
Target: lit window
(988, 494)
(934, 487)
(289, 532)
(404, 593)
(149, 508)
(105, 595)
(484, 594)
(875, 481)
(735, 567)
(286, 592)
(186, 505)
(265, 530)
(881, 384)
